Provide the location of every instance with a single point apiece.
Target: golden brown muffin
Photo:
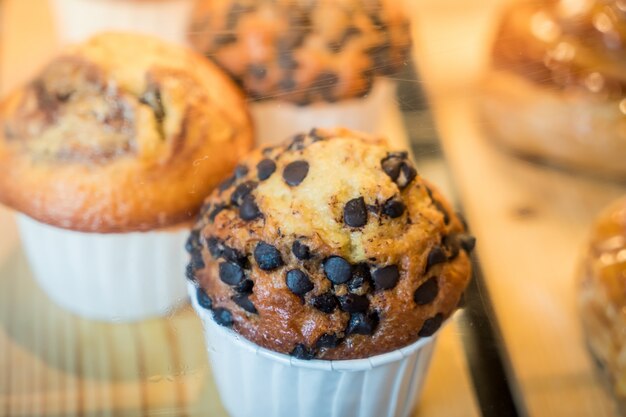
(602, 295)
(557, 84)
(330, 246)
(303, 51)
(121, 133)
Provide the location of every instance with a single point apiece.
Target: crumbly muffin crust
(602, 295)
(121, 133)
(330, 246)
(304, 51)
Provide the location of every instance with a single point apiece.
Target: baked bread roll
(330, 246)
(602, 295)
(121, 133)
(303, 51)
(556, 87)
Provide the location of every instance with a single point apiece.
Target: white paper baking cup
(112, 277)
(77, 20)
(253, 381)
(378, 113)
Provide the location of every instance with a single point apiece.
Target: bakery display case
(540, 327)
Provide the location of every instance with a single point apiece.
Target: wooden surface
(531, 222)
(53, 363)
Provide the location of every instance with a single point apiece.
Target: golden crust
(121, 133)
(303, 52)
(602, 294)
(343, 166)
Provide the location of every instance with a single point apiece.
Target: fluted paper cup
(77, 20)
(112, 277)
(253, 381)
(378, 113)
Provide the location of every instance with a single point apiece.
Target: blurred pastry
(108, 153)
(556, 87)
(602, 296)
(307, 63)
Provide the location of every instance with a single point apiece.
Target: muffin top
(330, 246)
(566, 45)
(303, 51)
(121, 133)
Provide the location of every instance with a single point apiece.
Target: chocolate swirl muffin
(602, 295)
(121, 133)
(303, 51)
(331, 246)
(557, 85)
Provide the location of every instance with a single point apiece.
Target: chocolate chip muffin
(121, 133)
(602, 295)
(331, 246)
(556, 87)
(303, 51)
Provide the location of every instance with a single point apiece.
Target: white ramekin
(113, 277)
(77, 20)
(378, 113)
(253, 381)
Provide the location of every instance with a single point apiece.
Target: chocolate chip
(203, 299)
(287, 84)
(325, 303)
(241, 171)
(386, 277)
(316, 135)
(467, 243)
(300, 250)
(219, 249)
(223, 39)
(361, 323)
(226, 184)
(427, 292)
(391, 165)
(241, 191)
(442, 210)
(324, 84)
(215, 247)
(436, 256)
(337, 269)
(452, 245)
(431, 325)
(355, 213)
(298, 282)
(244, 302)
(286, 60)
(360, 276)
(244, 287)
(394, 208)
(248, 210)
(302, 352)
(267, 256)
(354, 303)
(265, 169)
(296, 172)
(231, 273)
(407, 174)
(223, 317)
(196, 261)
(216, 210)
(193, 241)
(327, 340)
(258, 71)
(190, 272)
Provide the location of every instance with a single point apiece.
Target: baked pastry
(303, 51)
(121, 133)
(330, 246)
(556, 86)
(602, 295)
